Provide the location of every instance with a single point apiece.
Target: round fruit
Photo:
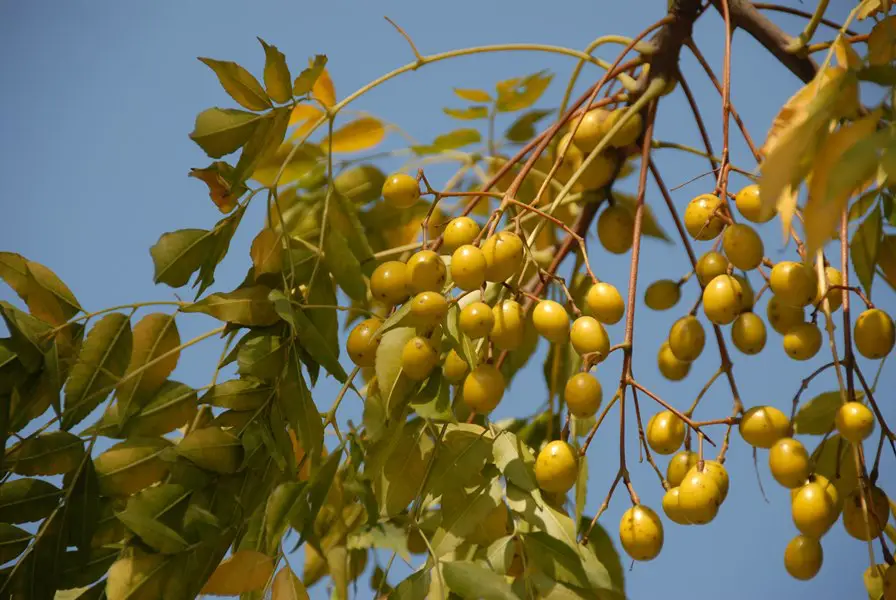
(362, 342)
(605, 303)
(679, 465)
(670, 366)
(813, 510)
(748, 333)
(591, 129)
(835, 297)
(476, 320)
(662, 294)
(418, 358)
(762, 426)
(672, 508)
(698, 498)
(428, 309)
(665, 432)
(468, 267)
(572, 157)
(718, 473)
(711, 265)
(583, 395)
(459, 232)
(802, 341)
(854, 516)
(748, 297)
(455, 368)
(483, 389)
(503, 256)
(599, 171)
(789, 463)
(588, 336)
(748, 204)
(389, 283)
(803, 557)
(401, 190)
(687, 338)
(701, 217)
(426, 272)
(829, 488)
(551, 321)
(557, 467)
(793, 283)
(507, 332)
(743, 246)
(781, 316)
(629, 132)
(615, 229)
(854, 421)
(641, 533)
(874, 333)
(722, 299)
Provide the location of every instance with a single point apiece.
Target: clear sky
(98, 99)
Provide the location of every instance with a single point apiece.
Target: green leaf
(416, 586)
(262, 355)
(382, 536)
(221, 131)
(465, 450)
(603, 548)
(515, 461)
(555, 559)
(173, 406)
(158, 536)
(246, 306)
(280, 505)
(27, 335)
(581, 488)
(50, 453)
(473, 95)
(238, 394)
(879, 74)
(239, 83)
(179, 254)
(314, 343)
(344, 265)
(433, 400)
(472, 580)
(467, 114)
(343, 217)
(322, 292)
(212, 449)
(155, 342)
(82, 507)
(863, 249)
(76, 570)
(27, 500)
(461, 342)
(299, 407)
(833, 458)
(388, 366)
(360, 184)
(263, 144)
(816, 417)
(401, 317)
(102, 362)
(862, 205)
(306, 79)
(450, 141)
(523, 129)
(277, 80)
(46, 296)
(318, 487)
(13, 542)
(462, 514)
(221, 236)
(517, 94)
(37, 577)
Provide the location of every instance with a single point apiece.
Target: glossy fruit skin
(455, 368)
(687, 338)
(701, 218)
(557, 467)
(711, 265)
(813, 511)
(401, 190)
(591, 130)
(762, 426)
(599, 171)
(803, 557)
(854, 516)
(835, 297)
(615, 229)
(459, 232)
(781, 316)
(698, 498)
(476, 320)
(508, 330)
(389, 282)
(829, 488)
(468, 268)
(748, 296)
(854, 422)
(722, 299)
(588, 336)
(672, 508)
(679, 465)
(629, 133)
(418, 358)
(428, 309)
(793, 283)
(748, 204)
(662, 294)
(665, 432)
(802, 341)
(748, 333)
(874, 333)
(743, 246)
(718, 473)
(583, 394)
(362, 343)
(503, 256)
(641, 533)
(483, 389)
(670, 366)
(605, 303)
(789, 463)
(551, 321)
(426, 272)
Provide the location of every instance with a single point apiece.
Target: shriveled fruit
(718, 473)
(665, 432)
(802, 341)
(679, 465)
(793, 283)
(615, 229)
(429, 309)
(698, 498)
(459, 232)
(476, 320)
(551, 321)
(503, 256)
(722, 299)
(762, 426)
(743, 246)
(835, 296)
(362, 342)
(687, 338)
(709, 266)
(854, 515)
(418, 358)
(803, 557)
(508, 329)
(583, 395)
(748, 204)
(641, 533)
(782, 316)
(671, 367)
(468, 267)
(588, 336)
(455, 368)
(748, 333)
(662, 294)
(389, 282)
(557, 467)
(813, 511)
(854, 421)
(789, 463)
(591, 129)
(426, 272)
(401, 190)
(605, 303)
(671, 506)
(483, 388)
(874, 333)
(701, 217)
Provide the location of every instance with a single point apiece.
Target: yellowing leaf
(307, 78)
(212, 449)
(323, 89)
(220, 190)
(360, 134)
(287, 586)
(882, 42)
(845, 55)
(886, 259)
(517, 94)
(46, 454)
(467, 114)
(239, 83)
(473, 95)
(244, 571)
(277, 79)
(155, 340)
(302, 112)
(302, 161)
(266, 252)
(245, 306)
(863, 248)
(220, 131)
(868, 8)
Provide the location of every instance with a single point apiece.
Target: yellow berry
(874, 333)
(572, 157)
(802, 341)
(698, 498)
(782, 316)
(854, 421)
(455, 368)
(679, 465)
(793, 283)
(588, 336)
(389, 283)
(877, 515)
(468, 267)
(722, 299)
(743, 246)
(803, 557)
(615, 229)
(557, 467)
(762, 426)
(813, 511)
(665, 432)
(459, 232)
(418, 358)
(599, 171)
(641, 533)
(605, 303)
(507, 333)
(718, 473)
(426, 272)
(747, 297)
(687, 338)
(551, 321)
(829, 488)
(591, 129)
(670, 366)
(476, 320)
(672, 508)
(748, 333)
(629, 133)
(789, 463)
(362, 342)
(428, 309)
(711, 265)
(701, 217)
(503, 256)
(662, 294)
(401, 190)
(835, 297)
(583, 395)
(748, 204)
(483, 389)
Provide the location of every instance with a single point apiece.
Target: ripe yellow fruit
(718, 473)
(722, 299)
(591, 130)
(802, 341)
(698, 498)
(551, 321)
(687, 338)
(813, 511)
(793, 283)
(605, 303)
(503, 256)
(748, 204)
(789, 463)
(641, 533)
(572, 158)
(599, 171)
(874, 333)
(508, 329)
(803, 557)
(615, 229)
(854, 516)
(662, 294)
(854, 421)
(476, 320)
(468, 267)
(670, 366)
(701, 217)
(629, 133)
(426, 272)
(428, 309)
(829, 488)
(459, 232)
(588, 336)
(557, 467)
(709, 266)
(583, 394)
(782, 316)
(665, 432)
(679, 465)
(389, 283)
(748, 297)
(483, 389)
(748, 333)
(362, 342)
(835, 297)
(401, 190)
(762, 426)
(418, 358)
(455, 368)
(671, 506)
(743, 246)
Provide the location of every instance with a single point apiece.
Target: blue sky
(98, 100)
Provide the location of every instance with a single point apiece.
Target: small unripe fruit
(468, 268)
(509, 325)
(679, 465)
(701, 217)
(476, 320)
(662, 294)
(813, 511)
(428, 309)
(789, 463)
(854, 421)
(743, 246)
(557, 467)
(762, 426)
(854, 516)
(670, 366)
(672, 508)
(605, 303)
(389, 283)
(718, 473)
(483, 389)
(588, 336)
(401, 190)
(615, 229)
(426, 272)
(503, 256)
(641, 533)
(665, 432)
(722, 299)
(803, 557)
(748, 333)
(362, 342)
(711, 265)
(781, 316)
(418, 358)
(874, 333)
(793, 283)
(459, 232)
(583, 395)
(748, 204)
(698, 498)
(551, 321)
(687, 338)
(802, 341)
(455, 368)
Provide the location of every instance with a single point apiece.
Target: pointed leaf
(472, 580)
(27, 335)
(173, 406)
(220, 131)
(224, 191)
(263, 144)
(313, 342)
(323, 89)
(238, 394)
(298, 406)
(467, 114)
(361, 134)
(212, 449)
(344, 266)
(886, 259)
(277, 80)
(239, 83)
(517, 94)
(132, 465)
(46, 296)
(179, 254)
(138, 574)
(83, 507)
(13, 542)
(278, 510)
(156, 535)
(473, 95)
(50, 453)
(220, 236)
(155, 343)
(308, 77)
(863, 249)
(287, 586)
(27, 500)
(450, 141)
(267, 252)
(523, 129)
(247, 306)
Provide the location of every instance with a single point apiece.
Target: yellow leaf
(304, 112)
(845, 55)
(244, 571)
(220, 191)
(301, 162)
(266, 252)
(786, 206)
(323, 89)
(287, 586)
(473, 95)
(869, 8)
(882, 42)
(357, 135)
